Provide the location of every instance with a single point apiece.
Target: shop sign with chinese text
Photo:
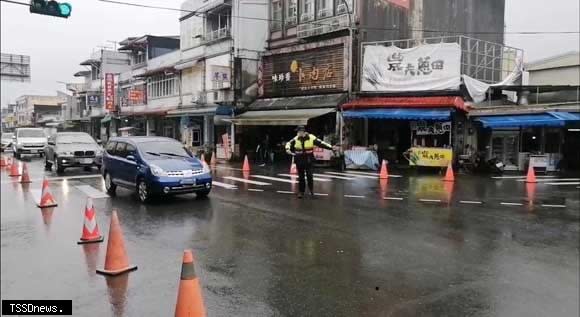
(421, 68)
(430, 128)
(310, 72)
(110, 91)
(430, 156)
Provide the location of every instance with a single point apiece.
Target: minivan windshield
(7, 136)
(163, 148)
(31, 133)
(75, 138)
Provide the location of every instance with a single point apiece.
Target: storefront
(517, 139)
(298, 85)
(416, 131)
(194, 125)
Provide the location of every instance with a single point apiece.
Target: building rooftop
(557, 61)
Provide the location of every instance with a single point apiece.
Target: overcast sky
(57, 46)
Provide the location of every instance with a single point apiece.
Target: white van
(29, 141)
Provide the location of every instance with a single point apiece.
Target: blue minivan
(153, 166)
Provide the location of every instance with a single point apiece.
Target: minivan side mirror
(51, 143)
(130, 158)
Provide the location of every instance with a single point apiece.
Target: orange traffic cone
(246, 167)
(116, 260)
(14, 170)
(213, 161)
(384, 173)
(189, 299)
(91, 233)
(46, 199)
(293, 170)
(531, 177)
(449, 176)
(25, 179)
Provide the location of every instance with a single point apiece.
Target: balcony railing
(217, 34)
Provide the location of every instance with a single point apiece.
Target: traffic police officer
(302, 148)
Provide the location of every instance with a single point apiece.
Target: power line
(16, 2)
(196, 13)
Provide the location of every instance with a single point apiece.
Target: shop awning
(298, 102)
(567, 116)
(197, 111)
(404, 102)
(280, 117)
(398, 114)
(514, 121)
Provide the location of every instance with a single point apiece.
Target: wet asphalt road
(428, 250)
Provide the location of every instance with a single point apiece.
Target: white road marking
(315, 178)
(552, 180)
(224, 185)
(284, 192)
(320, 194)
(228, 168)
(17, 179)
(276, 179)
(255, 190)
(511, 204)
(519, 177)
(470, 202)
(553, 206)
(354, 196)
(370, 174)
(430, 200)
(334, 176)
(91, 191)
(393, 198)
(243, 180)
(351, 175)
(564, 183)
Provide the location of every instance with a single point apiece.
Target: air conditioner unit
(221, 96)
(199, 98)
(342, 9)
(324, 13)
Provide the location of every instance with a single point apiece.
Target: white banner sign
(425, 67)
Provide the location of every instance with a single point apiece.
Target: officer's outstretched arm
(318, 142)
(290, 147)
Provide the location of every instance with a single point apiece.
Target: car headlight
(206, 168)
(157, 171)
(65, 154)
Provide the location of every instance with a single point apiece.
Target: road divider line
(284, 192)
(519, 177)
(315, 178)
(511, 204)
(430, 200)
(564, 183)
(243, 180)
(351, 175)
(470, 202)
(255, 190)
(553, 180)
(553, 206)
(276, 179)
(91, 191)
(334, 176)
(354, 196)
(320, 194)
(60, 178)
(224, 185)
(393, 198)
(371, 174)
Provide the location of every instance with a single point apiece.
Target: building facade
(33, 110)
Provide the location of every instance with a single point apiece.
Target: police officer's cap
(300, 128)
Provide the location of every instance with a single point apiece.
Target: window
(139, 57)
(276, 15)
(110, 148)
(325, 8)
(342, 8)
(162, 86)
(307, 11)
(95, 72)
(130, 149)
(121, 149)
(291, 12)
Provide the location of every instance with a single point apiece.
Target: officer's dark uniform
(303, 149)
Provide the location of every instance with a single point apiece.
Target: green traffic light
(65, 9)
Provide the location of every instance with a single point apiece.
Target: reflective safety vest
(305, 145)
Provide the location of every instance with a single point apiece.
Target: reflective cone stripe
(246, 167)
(213, 160)
(384, 173)
(116, 260)
(189, 297)
(91, 233)
(25, 179)
(293, 167)
(14, 169)
(46, 199)
(449, 177)
(531, 177)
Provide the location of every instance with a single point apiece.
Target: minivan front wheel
(109, 185)
(143, 191)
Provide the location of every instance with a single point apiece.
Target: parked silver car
(72, 149)
(28, 141)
